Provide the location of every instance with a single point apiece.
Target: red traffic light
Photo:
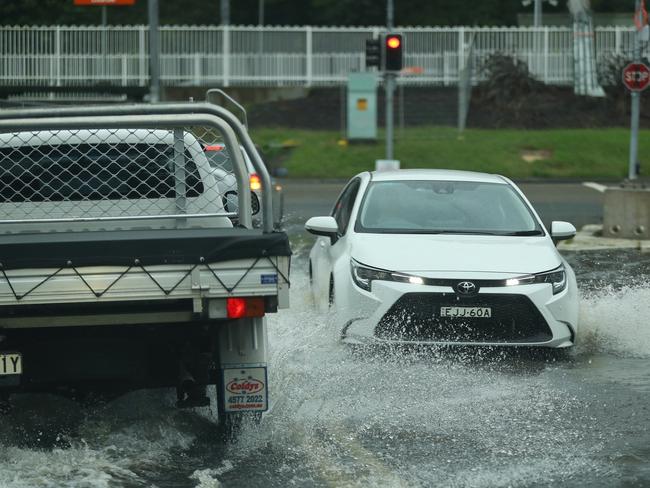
(393, 47)
(393, 42)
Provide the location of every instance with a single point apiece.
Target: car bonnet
(453, 253)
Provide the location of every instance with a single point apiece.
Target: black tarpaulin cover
(149, 247)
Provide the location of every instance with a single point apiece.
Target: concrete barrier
(627, 212)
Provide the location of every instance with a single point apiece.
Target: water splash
(614, 320)
(123, 443)
(342, 419)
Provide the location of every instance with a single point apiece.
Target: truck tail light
(238, 308)
(256, 181)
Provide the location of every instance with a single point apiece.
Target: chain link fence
(48, 177)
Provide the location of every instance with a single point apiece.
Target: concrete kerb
(590, 238)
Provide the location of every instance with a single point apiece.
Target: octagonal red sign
(636, 76)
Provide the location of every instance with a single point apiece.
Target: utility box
(362, 106)
(627, 212)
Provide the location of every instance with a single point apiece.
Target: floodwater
(453, 418)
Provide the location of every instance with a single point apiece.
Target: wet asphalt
(451, 417)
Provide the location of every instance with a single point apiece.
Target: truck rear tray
(148, 247)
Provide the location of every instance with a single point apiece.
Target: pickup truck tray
(148, 247)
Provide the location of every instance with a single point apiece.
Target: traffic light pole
(633, 170)
(389, 87)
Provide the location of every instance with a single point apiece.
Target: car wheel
(311, 276)
(331, 292)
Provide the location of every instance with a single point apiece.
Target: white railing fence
(273, 56)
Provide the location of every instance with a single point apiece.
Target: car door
(328, 253)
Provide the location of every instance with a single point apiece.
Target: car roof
(436, 174)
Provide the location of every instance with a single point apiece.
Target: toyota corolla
(443, 257)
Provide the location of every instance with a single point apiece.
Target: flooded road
(459, 418)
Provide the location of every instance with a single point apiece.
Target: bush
(507, 80)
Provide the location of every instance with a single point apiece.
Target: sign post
(636, 76)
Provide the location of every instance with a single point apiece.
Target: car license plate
(10, 363)
(466, 312)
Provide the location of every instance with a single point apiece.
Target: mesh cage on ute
(112, 174)
(178, 118)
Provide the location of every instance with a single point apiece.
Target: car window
(445, 206)
(76, 172)
(343, 207)
(220, 159)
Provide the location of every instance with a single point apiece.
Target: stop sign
(636, 77)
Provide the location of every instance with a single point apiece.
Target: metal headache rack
(130, 188)
(75, 157)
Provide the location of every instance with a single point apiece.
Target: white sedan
(443, 257)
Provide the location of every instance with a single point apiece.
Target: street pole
(389, 86)
(633, 170)
(225, 12)
(260, 23)
(104, 42)
(538, 13)
(154, 52)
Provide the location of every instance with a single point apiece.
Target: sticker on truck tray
(245, 390)
(269, 279)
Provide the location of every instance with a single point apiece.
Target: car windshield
(454, 207)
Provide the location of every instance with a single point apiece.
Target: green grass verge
(571, 153)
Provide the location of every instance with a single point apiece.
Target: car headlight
(363, 276)
(556, 277)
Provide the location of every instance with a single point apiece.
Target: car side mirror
(561, 231)
(323, 226)
(231, 202)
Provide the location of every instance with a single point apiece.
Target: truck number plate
(245, 389)
(10, 363)
(466, 312)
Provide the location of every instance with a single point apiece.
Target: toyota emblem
(466, 288)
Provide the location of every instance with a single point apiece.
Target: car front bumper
(404, 313)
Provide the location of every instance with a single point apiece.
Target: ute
(121, 267)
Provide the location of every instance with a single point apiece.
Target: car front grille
(417, 317)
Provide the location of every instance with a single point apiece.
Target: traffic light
(393, 45)
(373, 53)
